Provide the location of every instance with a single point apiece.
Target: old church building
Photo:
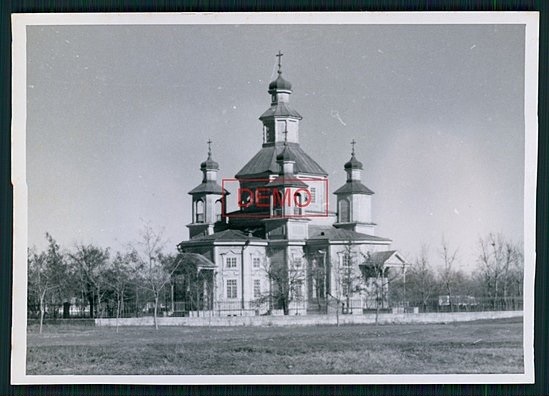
(283, 251)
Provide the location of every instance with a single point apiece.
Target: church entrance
(193, 286)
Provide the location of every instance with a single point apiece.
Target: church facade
(283, 251)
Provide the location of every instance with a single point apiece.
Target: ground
(490, 346)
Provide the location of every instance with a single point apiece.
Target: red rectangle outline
(251, 216)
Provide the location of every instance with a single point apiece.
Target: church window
(200, 211)
(230, 262)
(297, 262)
(256, 262)
(298, 289)
(277, 203)
(257, 288)
(346, 261)
(232, 291)
(312, 191)
(218, 210)
(344, 215)
(298, 200)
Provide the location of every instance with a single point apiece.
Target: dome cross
(279, 56)
(353, 142)
(209, 148)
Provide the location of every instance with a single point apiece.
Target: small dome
(280, 85)
(209, 164)
(353, 163)
(285, 155)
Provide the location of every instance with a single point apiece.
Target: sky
(118, 118)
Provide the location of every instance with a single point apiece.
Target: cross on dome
(209, 164)
(353, 163)
(279, 56)
(209, 148)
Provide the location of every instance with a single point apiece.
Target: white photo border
(18, 151)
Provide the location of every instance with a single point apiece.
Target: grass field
(467, 347)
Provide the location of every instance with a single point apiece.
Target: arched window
(298, 202)
(218, 210)
(199, 211)
(344, 211)
(277, 204)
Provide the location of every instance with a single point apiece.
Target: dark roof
(195, 259)
(353, 187)
(280, 84)
(379, 259)
(353, 163)
(341, 234)
(265, 162)
(210, 187)
(280, 109)
(227, 236)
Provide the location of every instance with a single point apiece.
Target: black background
(541, 328)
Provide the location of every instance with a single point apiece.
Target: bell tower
(354, 199)
(208, 203)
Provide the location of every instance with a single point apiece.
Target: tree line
(101, 282)
(97, 279)
(497, 278)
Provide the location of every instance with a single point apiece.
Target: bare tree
(154, 267)
(501, 268)
(43, 276)
(447, 274)
(348, 280)
(118, 277)
(47, 275)
(374, 275)
(421, 279)
(39, 280)
(286, 278)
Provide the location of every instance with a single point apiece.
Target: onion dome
(209, 164)
(280, 84)
(285, 155)
(353, 163)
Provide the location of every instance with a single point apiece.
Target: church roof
(379, 259)
(280, 109)
(227, 236)
(265, 162)
(353, 187)
(208, 187)
(341, 234)
(195, 259)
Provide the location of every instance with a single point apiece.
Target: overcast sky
(118, 118)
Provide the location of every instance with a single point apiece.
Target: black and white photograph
(253, 198)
